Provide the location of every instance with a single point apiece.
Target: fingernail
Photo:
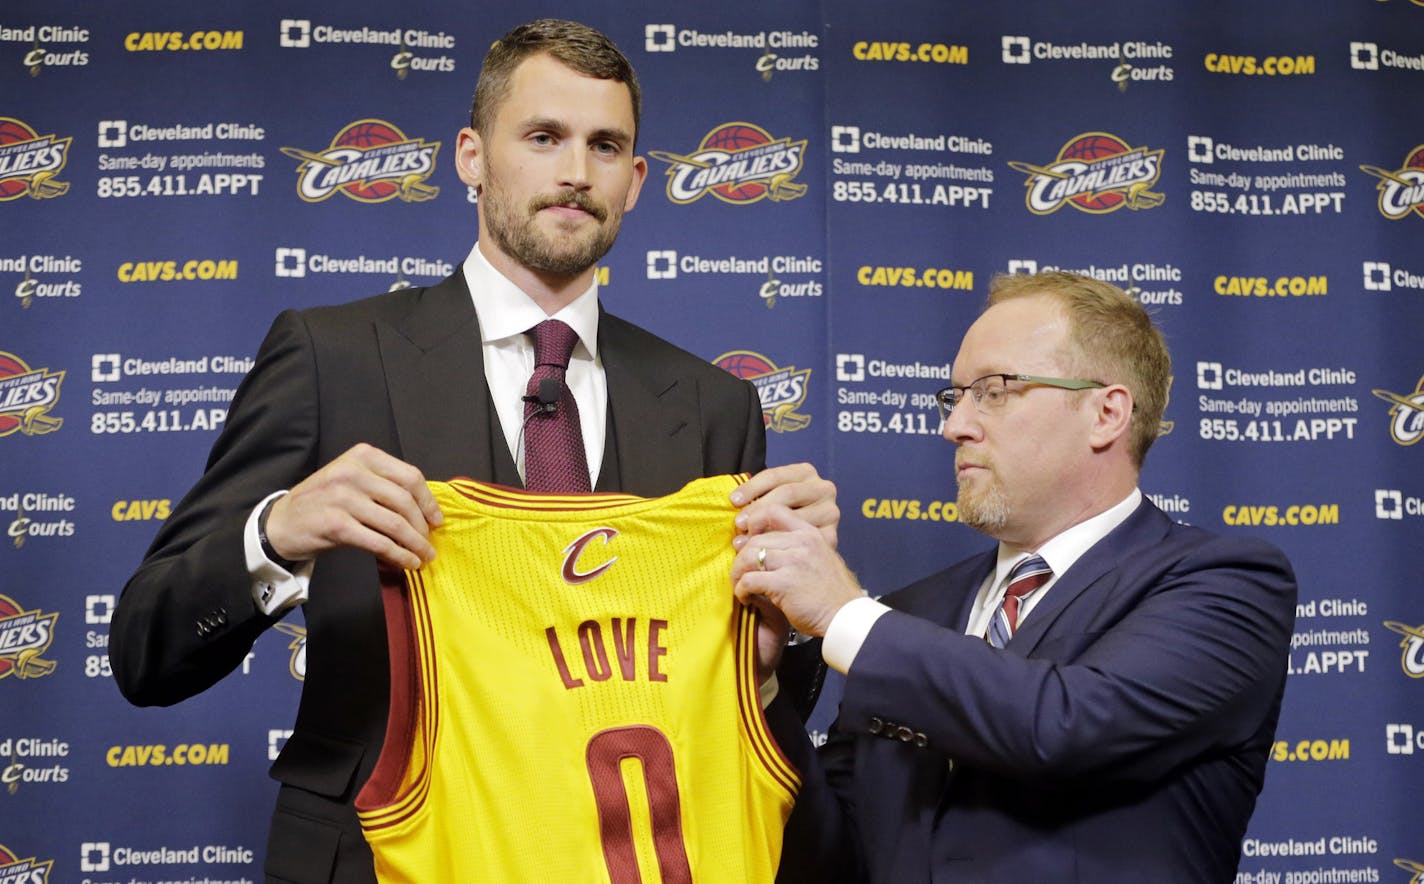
(738, 497)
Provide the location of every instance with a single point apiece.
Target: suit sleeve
(819, 843)
(186, 617)
(754, 442)
(1188, 657)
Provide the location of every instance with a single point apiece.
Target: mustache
(569, 198)
(979, 460)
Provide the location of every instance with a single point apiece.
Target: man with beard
(319, 476)
(1091, 701)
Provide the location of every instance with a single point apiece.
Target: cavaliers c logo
(572, 575)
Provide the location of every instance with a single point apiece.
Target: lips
(963, 467)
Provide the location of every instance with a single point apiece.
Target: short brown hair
(574, 45)
(1112, 340)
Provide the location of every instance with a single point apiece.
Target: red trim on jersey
(383, 786)
(758, 732)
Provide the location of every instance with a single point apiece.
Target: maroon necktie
(1026, 577)
(554, 458)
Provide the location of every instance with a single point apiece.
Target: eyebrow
(611, 133)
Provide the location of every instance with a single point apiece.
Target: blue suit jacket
(1121, 736)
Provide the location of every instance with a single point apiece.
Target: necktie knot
(1027, 576)
(553, 343)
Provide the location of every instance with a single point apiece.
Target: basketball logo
(738, 163)
(29, 162)
(1095, 172)
(1401, 192)
(781, 390)
(24, 636)
(26, 396)
(370, 161)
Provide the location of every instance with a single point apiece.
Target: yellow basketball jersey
(574, 698)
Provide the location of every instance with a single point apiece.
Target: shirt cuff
(274, 588)
(848, 631)
(768, 690)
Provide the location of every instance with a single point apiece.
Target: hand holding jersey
(365, 499)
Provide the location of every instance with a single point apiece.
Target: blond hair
(1111, 339)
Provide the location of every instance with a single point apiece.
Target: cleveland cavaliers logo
(781, 390)
(26, 396)
(298, 646)
(12, 868)
(1406, 418)
(571, 573)
(24, 636)
(370, 161)
(738, 163)
(29, 161)
(1095, 173)
(1412, 658)
(1401, 191)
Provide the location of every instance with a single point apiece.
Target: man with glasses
(1094, 699)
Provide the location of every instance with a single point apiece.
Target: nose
(961, 426)
(573, 171)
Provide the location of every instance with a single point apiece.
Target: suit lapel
(652, 414)
(1147, 525)
(435, 377)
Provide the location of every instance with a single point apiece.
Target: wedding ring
(761, 559)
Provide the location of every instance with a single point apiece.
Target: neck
(552, 292)
(1104, 496)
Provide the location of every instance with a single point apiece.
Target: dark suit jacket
(1122, 735)
(402, 371)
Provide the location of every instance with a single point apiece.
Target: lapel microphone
(548, 400)
(548, 396)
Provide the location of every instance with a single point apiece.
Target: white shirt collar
(1062, 551)
(505, 311)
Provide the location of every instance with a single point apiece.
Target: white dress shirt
(505, 314)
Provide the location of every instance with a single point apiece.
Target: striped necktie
(1027, 576)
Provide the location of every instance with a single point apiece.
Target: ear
(640, 174)
(469, 157)
(1113, 420)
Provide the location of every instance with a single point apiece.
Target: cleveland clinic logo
(1095, 172)
(1406, 414)
(1401, 191)
(370, 161)
(738, 163)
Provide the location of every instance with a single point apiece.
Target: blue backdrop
(832, 185)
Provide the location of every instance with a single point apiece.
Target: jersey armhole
(767, 752)
(398, 783)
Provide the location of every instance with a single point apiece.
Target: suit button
(876, 725)
(904, 734)
(222, 616)
(921, 741)
(202, 629)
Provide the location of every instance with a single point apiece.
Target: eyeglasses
(991, 391)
